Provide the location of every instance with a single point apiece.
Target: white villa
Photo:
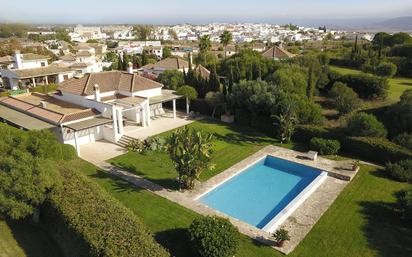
(97, 106)
(31, 70)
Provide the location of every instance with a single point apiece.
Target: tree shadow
(176, 241)
(120, 185)
(34, 241)
(168, 183)
(385, 231)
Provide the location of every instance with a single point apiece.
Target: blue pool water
(259, 193)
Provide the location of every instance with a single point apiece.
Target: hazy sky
(197, 11)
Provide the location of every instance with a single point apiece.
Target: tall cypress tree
(310, 85)
(230, 81)
(214, 83)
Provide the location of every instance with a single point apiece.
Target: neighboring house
(31, 70)
(94, 107)
(84, 33)
(277, 53)
(123, 35)
(171, 63)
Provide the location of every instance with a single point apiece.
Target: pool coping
(279, 218)
(338, 176)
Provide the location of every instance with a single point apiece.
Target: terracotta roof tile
(108, 81)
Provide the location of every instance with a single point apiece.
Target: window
(65, 77)
(43, 64)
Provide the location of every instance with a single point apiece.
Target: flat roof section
(166, 96)
(90, 123)
(23, 120)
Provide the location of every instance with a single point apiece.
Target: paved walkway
(298, 224)
(100, 151)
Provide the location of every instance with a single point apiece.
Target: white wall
(105, 109)
(34, 64)
(149, 92)
(83, 136)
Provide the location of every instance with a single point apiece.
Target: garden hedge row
(365, 85)
(379, 150)
(105, 226)
(44, 88)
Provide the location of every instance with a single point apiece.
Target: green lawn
(21, 239)
(232, 144)
(360, 222)
(396, 85)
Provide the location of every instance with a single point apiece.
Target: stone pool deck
(299, 223)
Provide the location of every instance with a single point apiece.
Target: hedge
(365, 85)
(44, 88)
(379, 150)
(324, 146)
(100, 221)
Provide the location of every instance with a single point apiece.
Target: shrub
(365, 125)
(365, 85)
(324, 146)
(106, 226)
(149, 144)
(214, 237)
(188, 91)
(44, 88)
(375, 149)
(404, 140)
(345, 99)
(404, 199)
(136, 145)
(401, 170)
(386, 69)
(281, 235)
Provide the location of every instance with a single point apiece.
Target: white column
(34, 81)
(148, 113)
(174, 108)
(187, 106)
(76, 144)
(114, 123)
(143, 118)
(120, 121)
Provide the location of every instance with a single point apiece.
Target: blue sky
(178, 11)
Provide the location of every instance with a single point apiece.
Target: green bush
(404, 198)
(345, 99)
(386, 69)
(44, 88)
(401, 170)
(379, 150)
(324, 146)
(365, 125)
(214, 237)
(365, 85)
(104, 224)
(404, 140)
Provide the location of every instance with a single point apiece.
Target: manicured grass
(232, 144)
(361, 222)
(396, 86)
(21, 239)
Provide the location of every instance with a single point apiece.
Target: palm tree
(204, 45)
(225, 39)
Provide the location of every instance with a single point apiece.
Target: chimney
(97, 93)
(43, 104)
(18, 60)
(130, 68)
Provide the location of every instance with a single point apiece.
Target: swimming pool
(266, 193)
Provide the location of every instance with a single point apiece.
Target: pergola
(167, 96)
(86, 124)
